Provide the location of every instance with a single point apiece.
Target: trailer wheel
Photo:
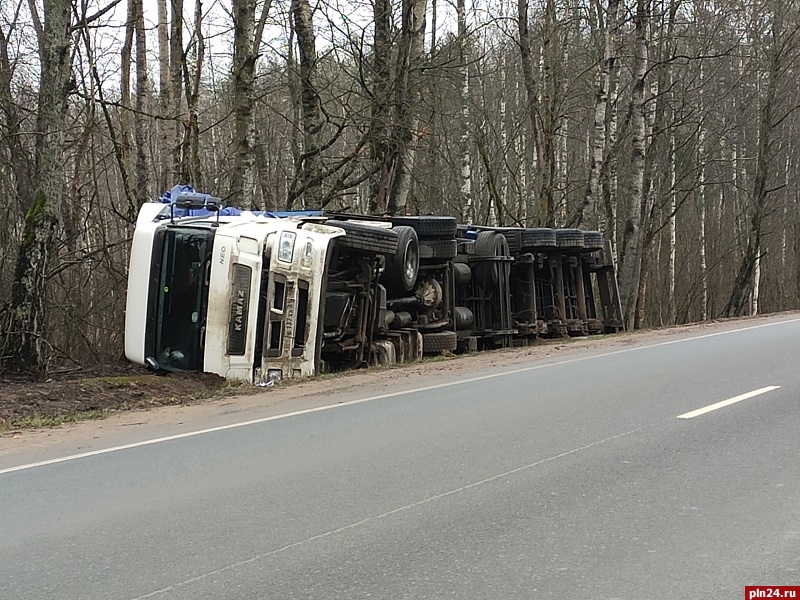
(438, 249)
(538, 237)
(569, 238)
(366, 238)
(490, 244)
(593, 240)
(402, 267)
(513, 237)
(437, 342)
(429, 227)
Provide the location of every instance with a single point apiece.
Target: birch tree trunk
(652, 182)
(524, 177)
(433, 25)
(630, 260)
(599, 142)
(126, 142)
(608, 170)
(659, 164)
(24, 345)
(503, 135)
(796, 248)
(784, 230)
(672, 235)
(464, 121)
(702, 200)
(142, 168)
(756, 284)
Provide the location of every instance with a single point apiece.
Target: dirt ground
(101, 390)
(104, 390)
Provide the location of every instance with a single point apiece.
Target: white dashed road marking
(728, 402)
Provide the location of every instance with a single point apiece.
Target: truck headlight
(286, 246)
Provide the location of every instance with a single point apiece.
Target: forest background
(670, 125)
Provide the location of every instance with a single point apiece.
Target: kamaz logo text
(237, 309)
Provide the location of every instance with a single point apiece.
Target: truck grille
(240, 304)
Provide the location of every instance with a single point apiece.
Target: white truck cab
(255, 298)
(240, 296)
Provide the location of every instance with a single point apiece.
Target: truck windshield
(183, 298)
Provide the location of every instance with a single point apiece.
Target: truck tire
(538, 237)
(491, 243)
(437, 342)
(569, 238)
(438, 249)
(402, 267)
(488, 244)
(366, 238)
(429, 227)
(513, 236)
(593, 240)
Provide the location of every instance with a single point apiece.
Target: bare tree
(380, 146)
(164, 175)
(660, 158)
(142, 105)
(531, 86)
(308, 179)
(24, 344)
(21, 160)
(246, 42)
(780, 50)
(408, 94)
(192, 68)
(598, 137)
(176, 114)
(464, 120)
(630, 260)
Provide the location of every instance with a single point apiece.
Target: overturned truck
(264, 296)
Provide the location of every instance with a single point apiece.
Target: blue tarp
(171, 196)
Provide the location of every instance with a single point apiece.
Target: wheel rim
(411, 261)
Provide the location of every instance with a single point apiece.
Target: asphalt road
(569, 478)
